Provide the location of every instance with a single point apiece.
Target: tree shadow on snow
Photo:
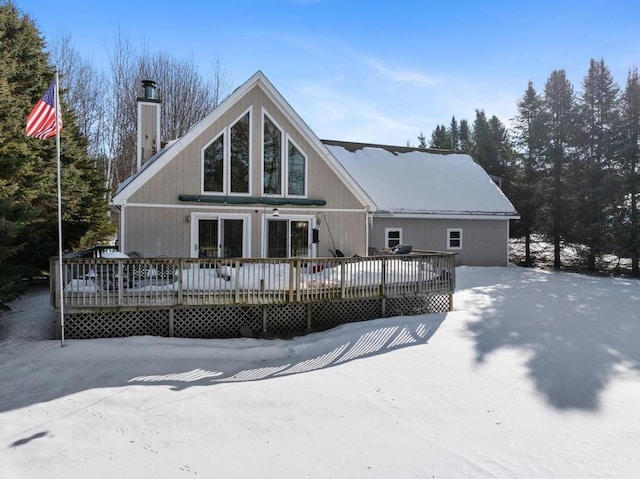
(580, 331)
(51, 372)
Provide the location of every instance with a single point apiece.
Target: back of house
(252, 180)
(249, 180)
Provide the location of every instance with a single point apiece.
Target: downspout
(507, 243)
(122, 227)
(368, 222)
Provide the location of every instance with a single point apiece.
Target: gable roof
(128, 187)
(404, 180)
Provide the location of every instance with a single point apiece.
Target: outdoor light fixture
(275, 211)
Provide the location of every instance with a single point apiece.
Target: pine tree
(454, 134)
(422, 141)
(490, 144)
(559, 109)
(597, 182)
(28, 216)
(530, 143)
(440, 138)
(629, 231)
(465, 141)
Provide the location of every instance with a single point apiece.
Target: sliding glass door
(218, 237)
(288, 238)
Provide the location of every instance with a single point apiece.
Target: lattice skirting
(235, 321)
(410, 306)
(116, 323)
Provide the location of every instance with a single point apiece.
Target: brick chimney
(148, 142)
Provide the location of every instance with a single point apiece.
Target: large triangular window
(284, 164)
(296, 171)
(226, 161)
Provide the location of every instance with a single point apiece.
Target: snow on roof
(406, 180)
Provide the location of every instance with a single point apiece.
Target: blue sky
(369, 71)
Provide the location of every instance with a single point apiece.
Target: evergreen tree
(422, 141)
(454, 134)
(440, 138)
(465, 141)
(629, 229)
(502, 141)
(28, 216)
(596, 181)
(490, 144)
(559, 110)
(530, 138)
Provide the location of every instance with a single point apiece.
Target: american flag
(41, 122)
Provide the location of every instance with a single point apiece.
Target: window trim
(454, 230)
(386, 236)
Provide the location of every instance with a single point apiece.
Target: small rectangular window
(454, 238)
(393, 237)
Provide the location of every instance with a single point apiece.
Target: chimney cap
(149, 89)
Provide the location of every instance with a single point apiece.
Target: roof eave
(180, 144)
(476, 215)
(260, 79)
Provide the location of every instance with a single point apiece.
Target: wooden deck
(135, 287)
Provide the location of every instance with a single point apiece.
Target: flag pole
(60, 275)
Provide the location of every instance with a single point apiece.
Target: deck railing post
(237, 264)
(452, 276)
(292, 285)
(383, 277)
(180, 266)
(298, 287)
(120, 282)
(343, 288)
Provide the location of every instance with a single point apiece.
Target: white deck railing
(104, 283)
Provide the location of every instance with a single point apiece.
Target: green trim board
(251, 200)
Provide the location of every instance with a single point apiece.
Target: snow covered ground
(536, 374)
